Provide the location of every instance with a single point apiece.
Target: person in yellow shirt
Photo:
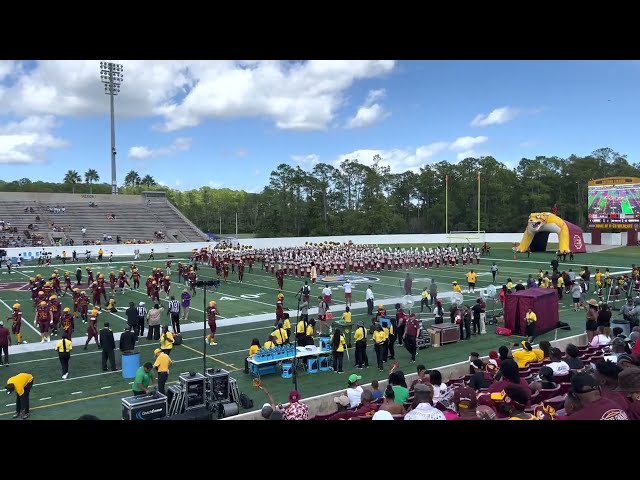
(346, 316)
(530, 318)
(280, 335)
(471, 280)
(166, 340)
(360, 337)
(598, 276)
(379, 338)
(301, 332)
(338, 346)
(560, 286)
(286, 324)
(509, 285)
(111, 306)
(63, 347)
(525, 356)
(270, 343)
(424, 300)
(456, 287)
(21, 384)
(253, 349)
(162, 364)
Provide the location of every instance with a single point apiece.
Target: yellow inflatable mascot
(546, 222)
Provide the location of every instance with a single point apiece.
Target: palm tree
(91, 176)
(72, 177)
(132, 179)
(149, 181)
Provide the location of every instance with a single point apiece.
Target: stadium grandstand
(47, 219)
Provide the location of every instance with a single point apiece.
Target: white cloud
(294, 95)
(495, 117)
(370, 112)
(180, 144)
(215, 184)
(27, 141)
(400, 160)
(529, 144)
(306, 160)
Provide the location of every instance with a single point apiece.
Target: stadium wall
(62, 198)
(166, 248)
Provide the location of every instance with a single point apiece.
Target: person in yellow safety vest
(424, 300)
(360, 337)
(388, 347)
(560, 286)
(531, 318)
(471, 280)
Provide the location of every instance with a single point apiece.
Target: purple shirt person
(186, 302)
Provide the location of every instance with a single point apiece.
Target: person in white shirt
(603, 338)
(347, 292)
(368, 295)
(559, 366)
(326, 292)
(424, 410)
(439, 388)
(354, 391)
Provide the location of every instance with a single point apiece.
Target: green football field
(89, 390)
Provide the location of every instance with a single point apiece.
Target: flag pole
(446, 204)
(478, 202)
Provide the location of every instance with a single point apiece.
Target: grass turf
(89, 390)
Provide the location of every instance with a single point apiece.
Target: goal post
(466, 237)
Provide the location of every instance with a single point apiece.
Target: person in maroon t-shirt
(466, 402)
(366, 408)
(5, 340)
(629, 385)
(591, 404)
(606, 374)
(509, 373)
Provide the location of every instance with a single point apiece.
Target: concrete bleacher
(13, 214)
(137, 217)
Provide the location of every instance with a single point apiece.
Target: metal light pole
(112, 77)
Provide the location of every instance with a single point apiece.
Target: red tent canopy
(544, 302)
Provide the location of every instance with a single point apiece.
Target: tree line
(352, 198)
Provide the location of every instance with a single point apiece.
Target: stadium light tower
(112, 77)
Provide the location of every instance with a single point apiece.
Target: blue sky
(223, 123)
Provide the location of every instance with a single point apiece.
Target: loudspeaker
(196, 414)
(226, 410)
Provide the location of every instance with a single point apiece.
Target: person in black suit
(128, 340)
(108, 344)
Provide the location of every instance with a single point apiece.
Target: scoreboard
(614, 203)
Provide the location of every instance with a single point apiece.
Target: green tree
(72, 177)
(148, 180)
(132, 179)
(91, 176)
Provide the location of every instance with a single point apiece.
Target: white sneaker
(42, 341)
(65, 376)
(214, 343)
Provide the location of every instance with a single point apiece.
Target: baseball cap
(517, 395)
(625, 357)
(493, 355)
(634, 336)
(294, 396)
(583, 383)
(465, 397)
(156, 351)
(342, 400)
(354, 378)
(423, 387)
(629, 380)
(266, 411)
(382, 415)
(141, 304)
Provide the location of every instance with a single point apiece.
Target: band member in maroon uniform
(280, 278)
(83, 306)
(43, 319)
(56, 311)
(92, 328)
(240, 271)
(68, 323)
(135, 276)
(279, 308)
(166, 285)
(211, 319)
(155, 292)
(16, 321)
(67, 283)
(225, 271)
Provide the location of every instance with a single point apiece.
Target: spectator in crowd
(509, 373)
(525, 356)
(618, 346)
(516, 399)
(573, 357)
(629, 386)
(558, 365)
(602, 337)
(354, 390)
(588, 403)
(606, 375)
(439, 387)
(424, 409)
(626, 361)
(296, 410)
(543, 352)
(481, 379)
(545, 380)
(389, 403)
(399, 385)
(375, 390)
(364, 408)
(465, 403)
(423, 377)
